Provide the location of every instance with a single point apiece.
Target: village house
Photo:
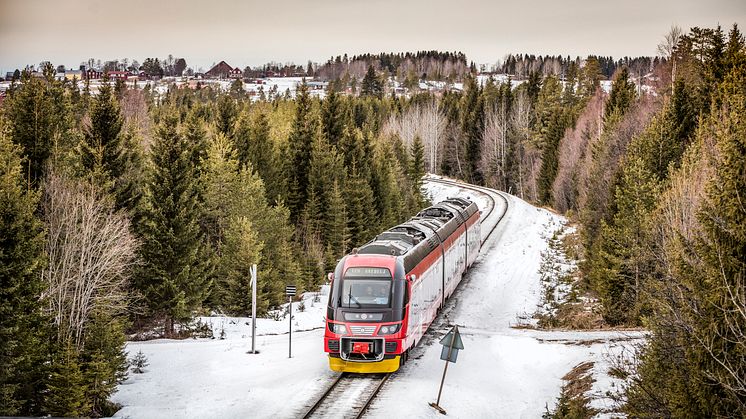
(236, 73)
(74, 74)
(118, 75)
(221, 70)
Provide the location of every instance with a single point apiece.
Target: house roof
(220, 68)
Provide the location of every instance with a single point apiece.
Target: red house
(118, 75)
(221, 71)
(236, 73)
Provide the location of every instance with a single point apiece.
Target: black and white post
(253, 308)
(290, 292)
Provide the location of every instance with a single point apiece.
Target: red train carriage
(384, 295)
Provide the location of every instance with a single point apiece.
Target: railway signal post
(290, 292)
(451, 345)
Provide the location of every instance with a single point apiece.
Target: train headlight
(389, 330)
(339, 329)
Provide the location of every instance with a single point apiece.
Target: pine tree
(175, 269)
(22, 330)
(590, 77)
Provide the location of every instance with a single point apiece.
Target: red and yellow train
(385, 294)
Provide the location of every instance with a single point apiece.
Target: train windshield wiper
(350, 298)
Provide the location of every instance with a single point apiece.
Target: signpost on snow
(451, 345)
(290, 292)
(252, 270)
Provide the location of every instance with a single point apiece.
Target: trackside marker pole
(253, 308)
(290, 292)
(436, 405)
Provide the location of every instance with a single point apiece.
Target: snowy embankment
(502, 372)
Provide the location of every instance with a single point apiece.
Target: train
(385, 294)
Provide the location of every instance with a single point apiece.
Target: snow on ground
(502, 372)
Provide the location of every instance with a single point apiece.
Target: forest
(129, 211)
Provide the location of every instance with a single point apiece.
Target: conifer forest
(128, 211)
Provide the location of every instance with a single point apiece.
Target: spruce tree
(621, 96)
(336, 232)
(236, 208)
(361, 209)
(195, 136)
(550, 155)
(333, 116)
(300, 143)
(227, 112)
(66, 389)
(387, 189)
(718, 270)
(103, 361)
(254, 147)
(101, 151)
(371, 85)
(623, 260)
(242, 248)
(472, 126)
(417, 166)
(175, 267)
(38, 114)
(23, 326)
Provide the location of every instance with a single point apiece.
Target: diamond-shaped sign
(455, 336)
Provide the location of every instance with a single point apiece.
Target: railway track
(349, 395)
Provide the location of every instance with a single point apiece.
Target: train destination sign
(368, 272)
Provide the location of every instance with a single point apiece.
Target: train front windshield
(366, 287)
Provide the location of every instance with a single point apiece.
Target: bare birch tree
(667, 48)
(527, 156)
(90, 252)
(426, 121)
(495, 147)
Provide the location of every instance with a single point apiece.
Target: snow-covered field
(502, 372)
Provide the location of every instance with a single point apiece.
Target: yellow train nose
(386, 365)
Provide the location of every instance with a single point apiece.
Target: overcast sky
(248, 32)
